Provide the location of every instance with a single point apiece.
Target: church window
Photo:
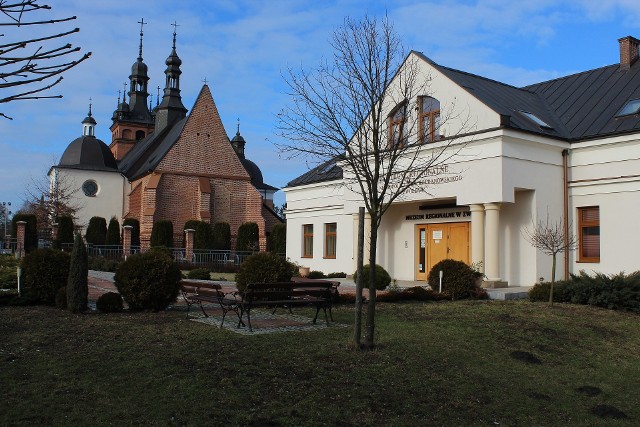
(330, 240)
(139, 135)
(398, 126)
(90, 188)
(307, 241)
(429, 119)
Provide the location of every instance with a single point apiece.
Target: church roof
(145, 156)
(256, 175)
(90, 153)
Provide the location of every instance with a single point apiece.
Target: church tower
(133, 121)
(171, 109)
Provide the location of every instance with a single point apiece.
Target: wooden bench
(195, 292)
(316, 293)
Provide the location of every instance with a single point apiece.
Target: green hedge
(458, 279)
(162, 234)
(264, 267)
(65, 231)
(221, 236)
(97, 231)
(248, 237)
(203, 238)
(382, 278)
(278, 239)
(44, 272)
(113, 232)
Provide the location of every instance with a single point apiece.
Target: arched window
(127, 134)
(398, 126)
(139, 135)
(429, 119)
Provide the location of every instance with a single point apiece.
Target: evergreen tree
(248, 237)
(77, 286)
(162, 234)
(65, 230)
(113, 232)
(221, 236)
(135, 230)
(97, 231)
(31, 230)
(204, 236)
(278, 239)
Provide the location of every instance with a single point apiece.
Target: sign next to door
(456, 214)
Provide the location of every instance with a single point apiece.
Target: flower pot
(304, 271)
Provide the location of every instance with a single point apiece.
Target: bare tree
(340, 112)
(50, 197)
(28, 65)
(551, 238)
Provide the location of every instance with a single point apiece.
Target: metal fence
(8, 245)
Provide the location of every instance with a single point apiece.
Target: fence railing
(8, 245)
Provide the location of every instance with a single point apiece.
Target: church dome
(254, 172)
(88, 152)
(139, 68)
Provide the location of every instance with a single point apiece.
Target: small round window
(90, 188)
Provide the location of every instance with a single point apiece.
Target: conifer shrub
(315, 274)
(103, 264)
(96, 231)
(148, 281)
(458, 278)
(110, 302)
(77, 283)
(135, 230)
(8, 272)
(44, 271)
(382, 278)
(199, 274)
(203, 238)
(221, 236)
(248, 237)
(278, 239)
(263, 267)
(31, 230)
(192, 224)
(65, 231)
(113, 232)
(162, 234)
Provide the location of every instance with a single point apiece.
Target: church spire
(171, 109)
(138, 93)
(238, 142)
(89, 124)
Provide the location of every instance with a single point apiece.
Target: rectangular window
(330, 240)
(589, 234)
(398, 128)
(307, 241)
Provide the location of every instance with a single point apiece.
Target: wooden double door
(435, 242)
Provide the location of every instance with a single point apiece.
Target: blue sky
(243, 48)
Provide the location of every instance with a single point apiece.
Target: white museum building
(564, 148)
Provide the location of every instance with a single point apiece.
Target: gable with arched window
(428, 119)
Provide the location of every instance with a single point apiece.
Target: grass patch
(436, 364)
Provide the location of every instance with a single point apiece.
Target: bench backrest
(201, 288)
(284, 291)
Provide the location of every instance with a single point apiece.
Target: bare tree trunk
(553, 277)
(357, 329)
(371, 307)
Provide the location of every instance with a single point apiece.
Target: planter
(304, 271)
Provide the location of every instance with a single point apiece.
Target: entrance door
(435, 242)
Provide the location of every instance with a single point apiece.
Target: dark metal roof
(147, 153)
(327, 171)
(256, 175)
(88, 152)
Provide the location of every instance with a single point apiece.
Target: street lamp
(6, 212)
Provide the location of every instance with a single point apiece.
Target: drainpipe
(565, 188)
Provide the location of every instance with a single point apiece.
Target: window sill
(329, 257)
(306, 256)
(588, 261)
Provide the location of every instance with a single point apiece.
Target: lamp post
(6, 212)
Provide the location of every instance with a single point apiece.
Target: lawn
(462, 363)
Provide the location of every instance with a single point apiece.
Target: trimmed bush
(77, 283)
(616, 291)
(96, 231)
(192, 224)
(278, 239)
(458, 278)
(382, 278)
(111, 302)
(264, 267)
(8, 272)
(31, 230)
(113, 232)
(248, 237)
(221, 236)
(103, 264)
(65, 231)
(337, 275)
(203, 238)
(149, 281)
(135, 230)
(315, 274)
(44, 271)
(162, 234)
(199, 274)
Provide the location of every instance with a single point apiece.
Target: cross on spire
(205, 80)
(175, 27)
(124, 92)
(118, 97)
(238, 126)
(90, 106)
(142, 23)
(158, 97)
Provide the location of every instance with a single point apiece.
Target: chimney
(628, 52)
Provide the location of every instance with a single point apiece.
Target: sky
(243, 48)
